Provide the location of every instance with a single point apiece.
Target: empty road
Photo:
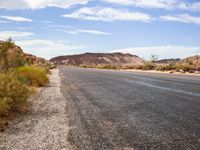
(124, 110)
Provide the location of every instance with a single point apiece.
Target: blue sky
(48, 28)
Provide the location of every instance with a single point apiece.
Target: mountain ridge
(92, 59)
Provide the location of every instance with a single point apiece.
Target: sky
(49, 28)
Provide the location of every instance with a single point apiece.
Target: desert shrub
(13, 94)
(4, 63)
(128, 67)
(32, 75)
(185, 67)
(106, 67)
(85, 66)
(149, 66)
(166, 67)
(198, 68)
(17, 61)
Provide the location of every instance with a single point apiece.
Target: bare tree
(10, 39)
(154, 57)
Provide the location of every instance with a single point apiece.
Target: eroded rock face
(16, 55)
(91, 59)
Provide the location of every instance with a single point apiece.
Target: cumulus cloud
(107, 14)
(164, 51)
(16, 18)
(14, 34)
(49, 48)
(38, 4)
(185, 18)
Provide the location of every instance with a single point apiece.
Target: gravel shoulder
(45, 126)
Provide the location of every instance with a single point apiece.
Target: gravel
(45, 126)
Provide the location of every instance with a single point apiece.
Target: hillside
(193, 60)
(168, 61)
(93, 59)
(16, 57)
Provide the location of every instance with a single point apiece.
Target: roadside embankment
(44, 126)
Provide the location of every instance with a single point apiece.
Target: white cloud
(165, 51)
(48, 49)
(3, 21)
(145, 3)
(95, 32)
(38, 4)
(107, 14)
(189, 6)
(14, 34)
(166, 4)
(185, 18)
(16, 18)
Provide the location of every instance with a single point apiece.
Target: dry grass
(13, 94)
(33, 76)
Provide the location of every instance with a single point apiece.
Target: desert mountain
(93, 59)
(168, 61)
(193, 60)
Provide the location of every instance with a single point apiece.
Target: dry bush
(149, 66)
(107, 67)
(13, 94)
(33, 76)
(166, 67)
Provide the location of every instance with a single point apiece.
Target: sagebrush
(32, 76)
(13, 94)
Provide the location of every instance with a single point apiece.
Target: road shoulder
(45, 126)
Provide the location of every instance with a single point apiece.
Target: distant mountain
(168, 61)
(17, 57)
(93, 59)
(193, 60)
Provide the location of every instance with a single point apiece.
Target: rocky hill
(15, 56)
(93, 59)
(193, 60)
(168, 61)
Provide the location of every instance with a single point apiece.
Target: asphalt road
(130, 110)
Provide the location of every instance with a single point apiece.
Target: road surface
(129, 110)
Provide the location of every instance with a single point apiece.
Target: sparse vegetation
(165, 67)
(107, 67)
(13, 94)
(4, 47)
(149, 66)
(112, 67)
(32, 76)
(17, 78)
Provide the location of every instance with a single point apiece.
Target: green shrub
(13, 94)
(32, 76)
